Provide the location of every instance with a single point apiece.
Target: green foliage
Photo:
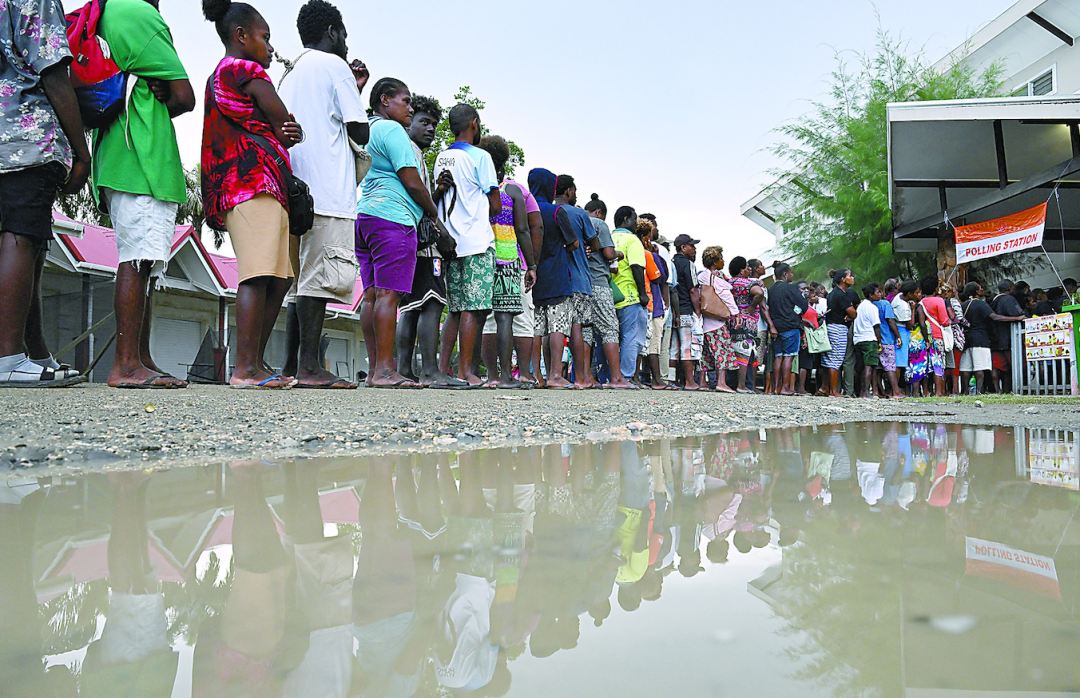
(443, 136)
(835, 186)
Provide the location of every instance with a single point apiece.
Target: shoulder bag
(946, 332)
(301, 202)
(711, 303)
(817, 339)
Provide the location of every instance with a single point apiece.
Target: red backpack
(100, 85)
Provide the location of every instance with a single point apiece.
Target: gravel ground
(92, 427)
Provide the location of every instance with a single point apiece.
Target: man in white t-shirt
(322, 91)
(467, 210)
(867, 336)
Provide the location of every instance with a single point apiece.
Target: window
(1040, 86)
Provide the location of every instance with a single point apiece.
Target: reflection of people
(133, 655)
(324, 570)
(244, 650)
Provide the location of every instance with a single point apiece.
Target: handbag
(817, 340)
(301, 202)
(616, 293)
(711, 304)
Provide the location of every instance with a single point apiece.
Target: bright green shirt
(633, 255)
(138, 153)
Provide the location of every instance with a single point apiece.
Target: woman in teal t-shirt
(393, 201)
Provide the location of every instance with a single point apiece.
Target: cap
(685, 239)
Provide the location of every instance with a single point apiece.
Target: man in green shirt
(138, 177)
(631, 282)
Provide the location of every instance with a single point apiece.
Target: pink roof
(89, 560)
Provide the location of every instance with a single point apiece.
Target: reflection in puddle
(857, 560)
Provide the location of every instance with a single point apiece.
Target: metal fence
(1053, 377)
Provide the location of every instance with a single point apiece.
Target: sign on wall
(1001, 235)
(1049, 337)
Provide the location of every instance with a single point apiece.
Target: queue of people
(536, 291)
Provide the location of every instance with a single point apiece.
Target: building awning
(968, 161)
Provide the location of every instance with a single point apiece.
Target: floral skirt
(918, 357)
(718, 354)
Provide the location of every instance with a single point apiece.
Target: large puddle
(858, 560)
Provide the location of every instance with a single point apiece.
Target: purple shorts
(386, 252)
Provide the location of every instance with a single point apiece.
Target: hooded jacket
(559, 273)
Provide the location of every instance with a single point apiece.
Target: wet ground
(92, 427)
(868, 559)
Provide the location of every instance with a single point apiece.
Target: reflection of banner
(1025, 571)
(1049, 337)
(1054, 461)
(1008, 234)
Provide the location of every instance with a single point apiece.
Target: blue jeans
(633, 320)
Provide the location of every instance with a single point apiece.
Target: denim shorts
(787, 343)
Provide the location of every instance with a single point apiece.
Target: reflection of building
(195, 297)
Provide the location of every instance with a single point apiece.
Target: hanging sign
(1001, 235)
(1024, 570)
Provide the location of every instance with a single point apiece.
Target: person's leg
(582, 376)
(504, 341)
(18, 257)
(848, 366)
(290, 363)
(34, 337)
(144, 332)
(405, 342)
(979, 377)
(276, 290)
(785, 376)
(129, 305)
(385, 326)
(472, 322)
(311, 314)
(367, 328)
(449, 339)
(489, 350)
(689, 370)
(554, 344)
(250, 314)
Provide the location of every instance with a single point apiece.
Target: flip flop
(458, 384)
(528, 385)
(149, 384)
(564, 387)
(403, 384)
(339, 384)
(263, 385)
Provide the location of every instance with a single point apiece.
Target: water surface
(855, 560)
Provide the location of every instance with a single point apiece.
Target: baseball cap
(685, 239)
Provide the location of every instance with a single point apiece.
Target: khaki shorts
(325, 261)
(656, 336)
(524, 322)
(259, 230)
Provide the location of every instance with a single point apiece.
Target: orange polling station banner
(1008, 234)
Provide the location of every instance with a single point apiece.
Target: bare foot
(321, 377)
(620, 384)
(722, 388)
(139, 374)
(389, 379)
(510, 384)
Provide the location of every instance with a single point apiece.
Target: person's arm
(639, 280)
(494, 203)
(57, 85)
(410, 179)
(566, 231)
(877, 333)
(268, 101)
(359, 131)
(177, 95)
(757, 298)
(1007, 318)
(521, 229)
(443, 183)
(851, 312)
(608, 253)
(895, 331)
(665, 293)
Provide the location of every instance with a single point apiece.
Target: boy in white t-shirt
(467, 210)
(867, 336)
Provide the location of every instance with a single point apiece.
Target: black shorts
(426, 285)
(27, 198)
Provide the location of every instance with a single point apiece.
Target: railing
(1053, 377)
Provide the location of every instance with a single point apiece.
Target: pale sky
(666, 106)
